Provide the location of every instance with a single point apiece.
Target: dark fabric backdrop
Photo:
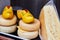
(57, 2)
(34, 5)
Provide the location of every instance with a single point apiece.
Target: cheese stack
(7, 20)
(28, 26)
(50, 26)
(28, 31)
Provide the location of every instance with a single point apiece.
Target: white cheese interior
(52, 23)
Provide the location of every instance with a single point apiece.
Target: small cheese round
(30, 27)
(26, 34)
(7, 22)
(7, 29)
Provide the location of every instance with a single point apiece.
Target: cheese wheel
(27, 35)
(7, 22)
(7, 29)
(50, 24)
(30, 27)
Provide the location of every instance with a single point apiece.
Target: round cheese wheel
(26, 34)
(30, 27)
(7, 29)
(7, 22)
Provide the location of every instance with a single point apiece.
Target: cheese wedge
(50, 28)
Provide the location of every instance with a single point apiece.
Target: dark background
(57, 3)
(34, 5)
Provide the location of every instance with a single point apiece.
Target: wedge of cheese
(50, 28)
